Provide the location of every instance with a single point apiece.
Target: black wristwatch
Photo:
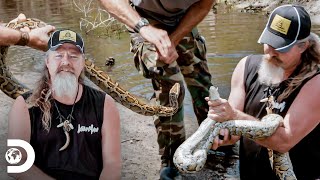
(142, 22)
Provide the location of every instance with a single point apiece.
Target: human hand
(171, 56)
(165, 48)
(220, 110)
(39, 37)
(227, 139)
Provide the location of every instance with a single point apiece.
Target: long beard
(65, 84)
(270, 74)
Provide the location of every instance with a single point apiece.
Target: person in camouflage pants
(168, 49)
(191, 67)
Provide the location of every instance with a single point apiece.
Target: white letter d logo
(13, 156)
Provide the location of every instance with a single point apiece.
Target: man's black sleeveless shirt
(254, 162)
(82, 159)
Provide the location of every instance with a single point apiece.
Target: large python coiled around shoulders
(191, 155)
(13, 88)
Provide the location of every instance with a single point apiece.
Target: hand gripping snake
(13, 88)
(191, 155)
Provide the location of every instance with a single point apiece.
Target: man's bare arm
(302, 117)
(111, 150)
(38, 38)
(19, 128)
(125, 13)
(195, 14)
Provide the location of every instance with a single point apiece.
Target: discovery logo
(14, 156)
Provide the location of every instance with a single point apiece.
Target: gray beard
(65, 85)
(270, 74)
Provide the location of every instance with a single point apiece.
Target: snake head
(213, 93)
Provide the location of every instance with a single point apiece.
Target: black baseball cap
(286, 25)
(60, 37)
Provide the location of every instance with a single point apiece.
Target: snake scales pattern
(191, 155)
(13, 88)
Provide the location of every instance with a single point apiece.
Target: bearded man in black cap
(289, 72)
(73, 128)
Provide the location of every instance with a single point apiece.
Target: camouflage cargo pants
(191, 67)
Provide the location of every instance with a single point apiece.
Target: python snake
(191, 155)
(13, 88)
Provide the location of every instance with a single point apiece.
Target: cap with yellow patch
(286, 25)
(60, 37)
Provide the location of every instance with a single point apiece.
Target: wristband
(24, 39)
(142, 22)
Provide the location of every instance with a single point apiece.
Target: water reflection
(230, 36)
